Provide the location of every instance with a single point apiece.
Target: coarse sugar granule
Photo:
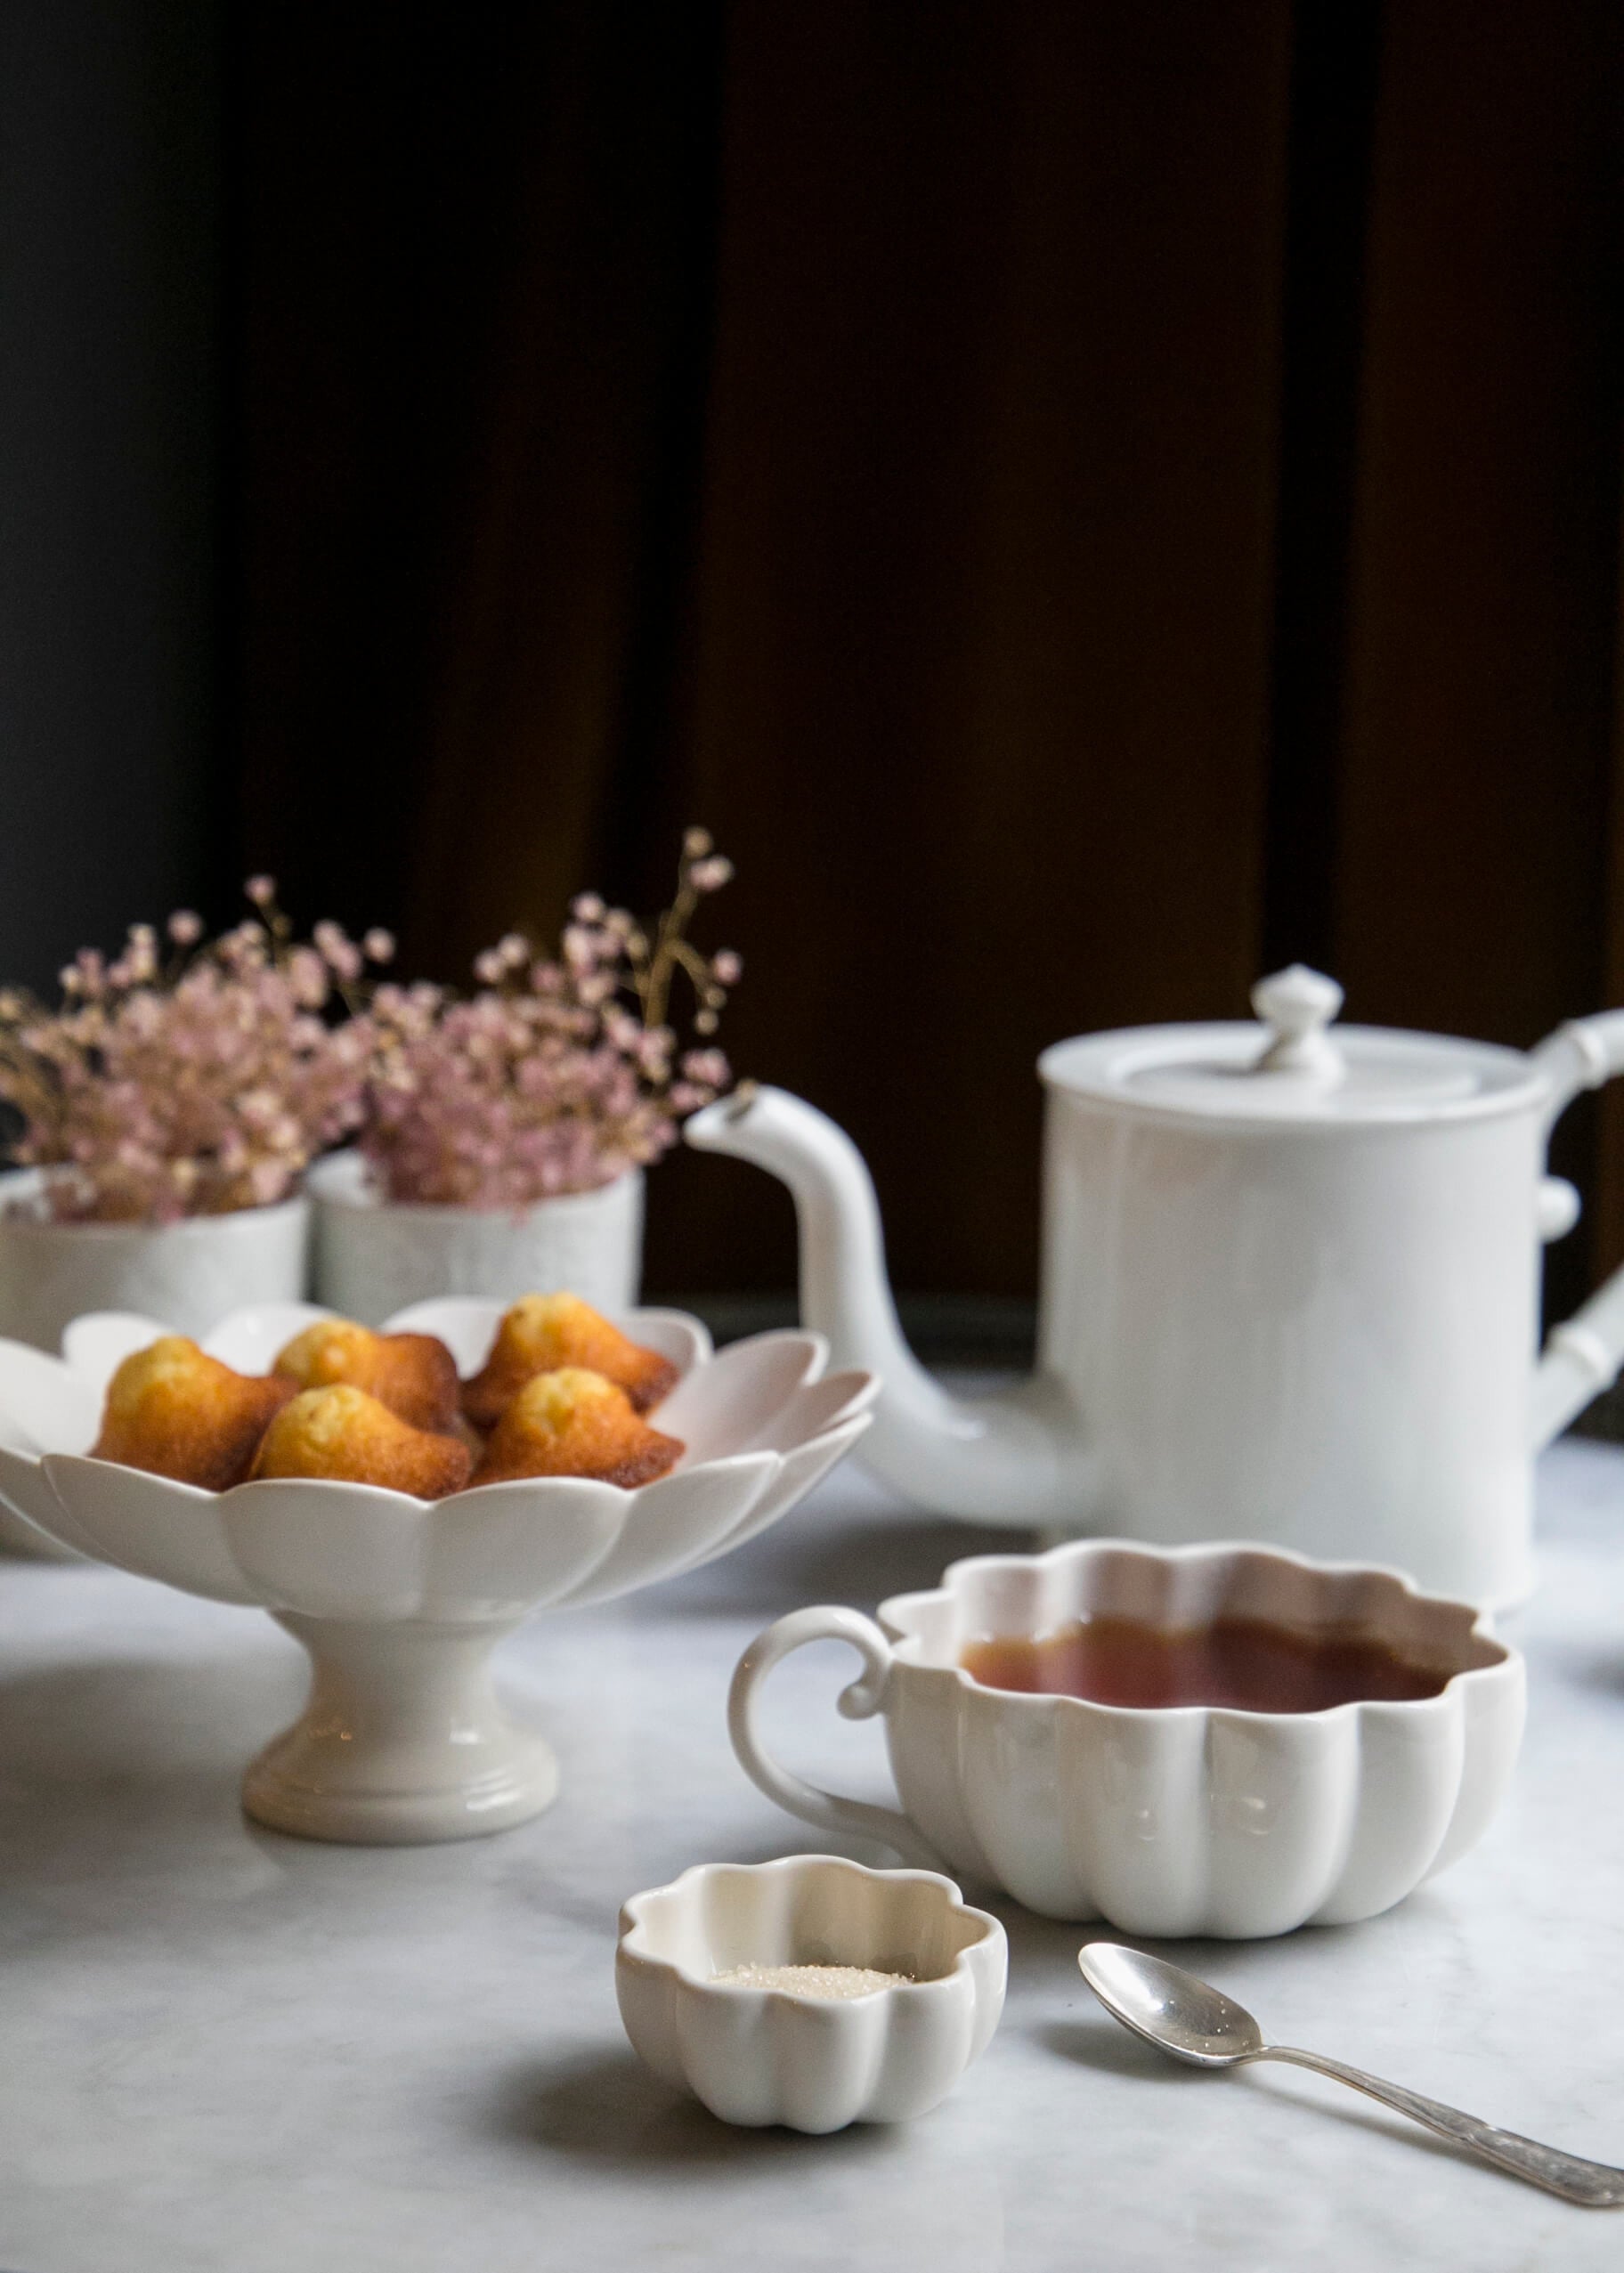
(810, 1980)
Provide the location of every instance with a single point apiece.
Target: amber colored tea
(1248, 1664)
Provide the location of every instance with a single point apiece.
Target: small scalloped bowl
(1167, 1821)
(399, 1601)
(774, 2056)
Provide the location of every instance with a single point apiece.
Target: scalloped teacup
(1166, 1820)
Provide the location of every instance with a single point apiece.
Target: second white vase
(375, 1256)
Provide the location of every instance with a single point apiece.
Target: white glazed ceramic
(768, 2056)
(373, 1256)
(1290, 1291)
(189, 1274)
(1183, 1821)
(400, 1602)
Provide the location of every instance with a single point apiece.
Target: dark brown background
(1087, 499)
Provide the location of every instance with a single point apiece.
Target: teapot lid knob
(1296, 1004)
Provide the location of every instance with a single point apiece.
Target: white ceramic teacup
(1166, 1820)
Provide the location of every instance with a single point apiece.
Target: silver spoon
(1195, 2022)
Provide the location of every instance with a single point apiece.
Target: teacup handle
(860, 1700)
(1582, 1354)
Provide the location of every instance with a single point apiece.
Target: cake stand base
(401, 1741)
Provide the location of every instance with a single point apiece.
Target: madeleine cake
(347, 1436)
(541, 1333)
(573, 1422)
(415, 1375)
(177, 1412)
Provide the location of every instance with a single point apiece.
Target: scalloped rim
(1481, 1628)
(633, 1923)
(336, 1488)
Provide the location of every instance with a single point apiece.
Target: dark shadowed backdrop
(1088, 500)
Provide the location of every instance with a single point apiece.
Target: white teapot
(1290, 1291)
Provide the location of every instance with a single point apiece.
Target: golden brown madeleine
(574, 1423)
(177, 1412)
(543, 1331)
(343, 1434)
(415, 1375)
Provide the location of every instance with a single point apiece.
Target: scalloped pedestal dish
(1165, 1821)
(400, 1602)
(760, 2056)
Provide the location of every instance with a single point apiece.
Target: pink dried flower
(337, 950)
(307, 975)
(560, 1073)
(149, 1096)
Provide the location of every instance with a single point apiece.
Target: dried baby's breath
(563, 1071)
(191, 1081)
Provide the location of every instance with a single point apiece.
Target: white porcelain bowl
(770, 2056)
(400, 1600)
(1177, 1822)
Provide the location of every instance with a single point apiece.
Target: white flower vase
(375, 1256)
(189, 1274)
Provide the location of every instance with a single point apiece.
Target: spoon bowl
(1170, 2008)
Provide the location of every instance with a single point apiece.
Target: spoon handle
(1596, 2185)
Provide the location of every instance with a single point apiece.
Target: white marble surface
(225, 2051)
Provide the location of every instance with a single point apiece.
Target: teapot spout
(1016, 1458)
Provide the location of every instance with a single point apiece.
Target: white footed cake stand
(400, 1602)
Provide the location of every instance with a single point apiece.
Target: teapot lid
(1292, 1067)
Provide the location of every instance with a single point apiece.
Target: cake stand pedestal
(402, 1741)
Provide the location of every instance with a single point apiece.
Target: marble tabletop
(226, 2052)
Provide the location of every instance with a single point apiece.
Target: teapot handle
(1584, 1354)
(865, 1696)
